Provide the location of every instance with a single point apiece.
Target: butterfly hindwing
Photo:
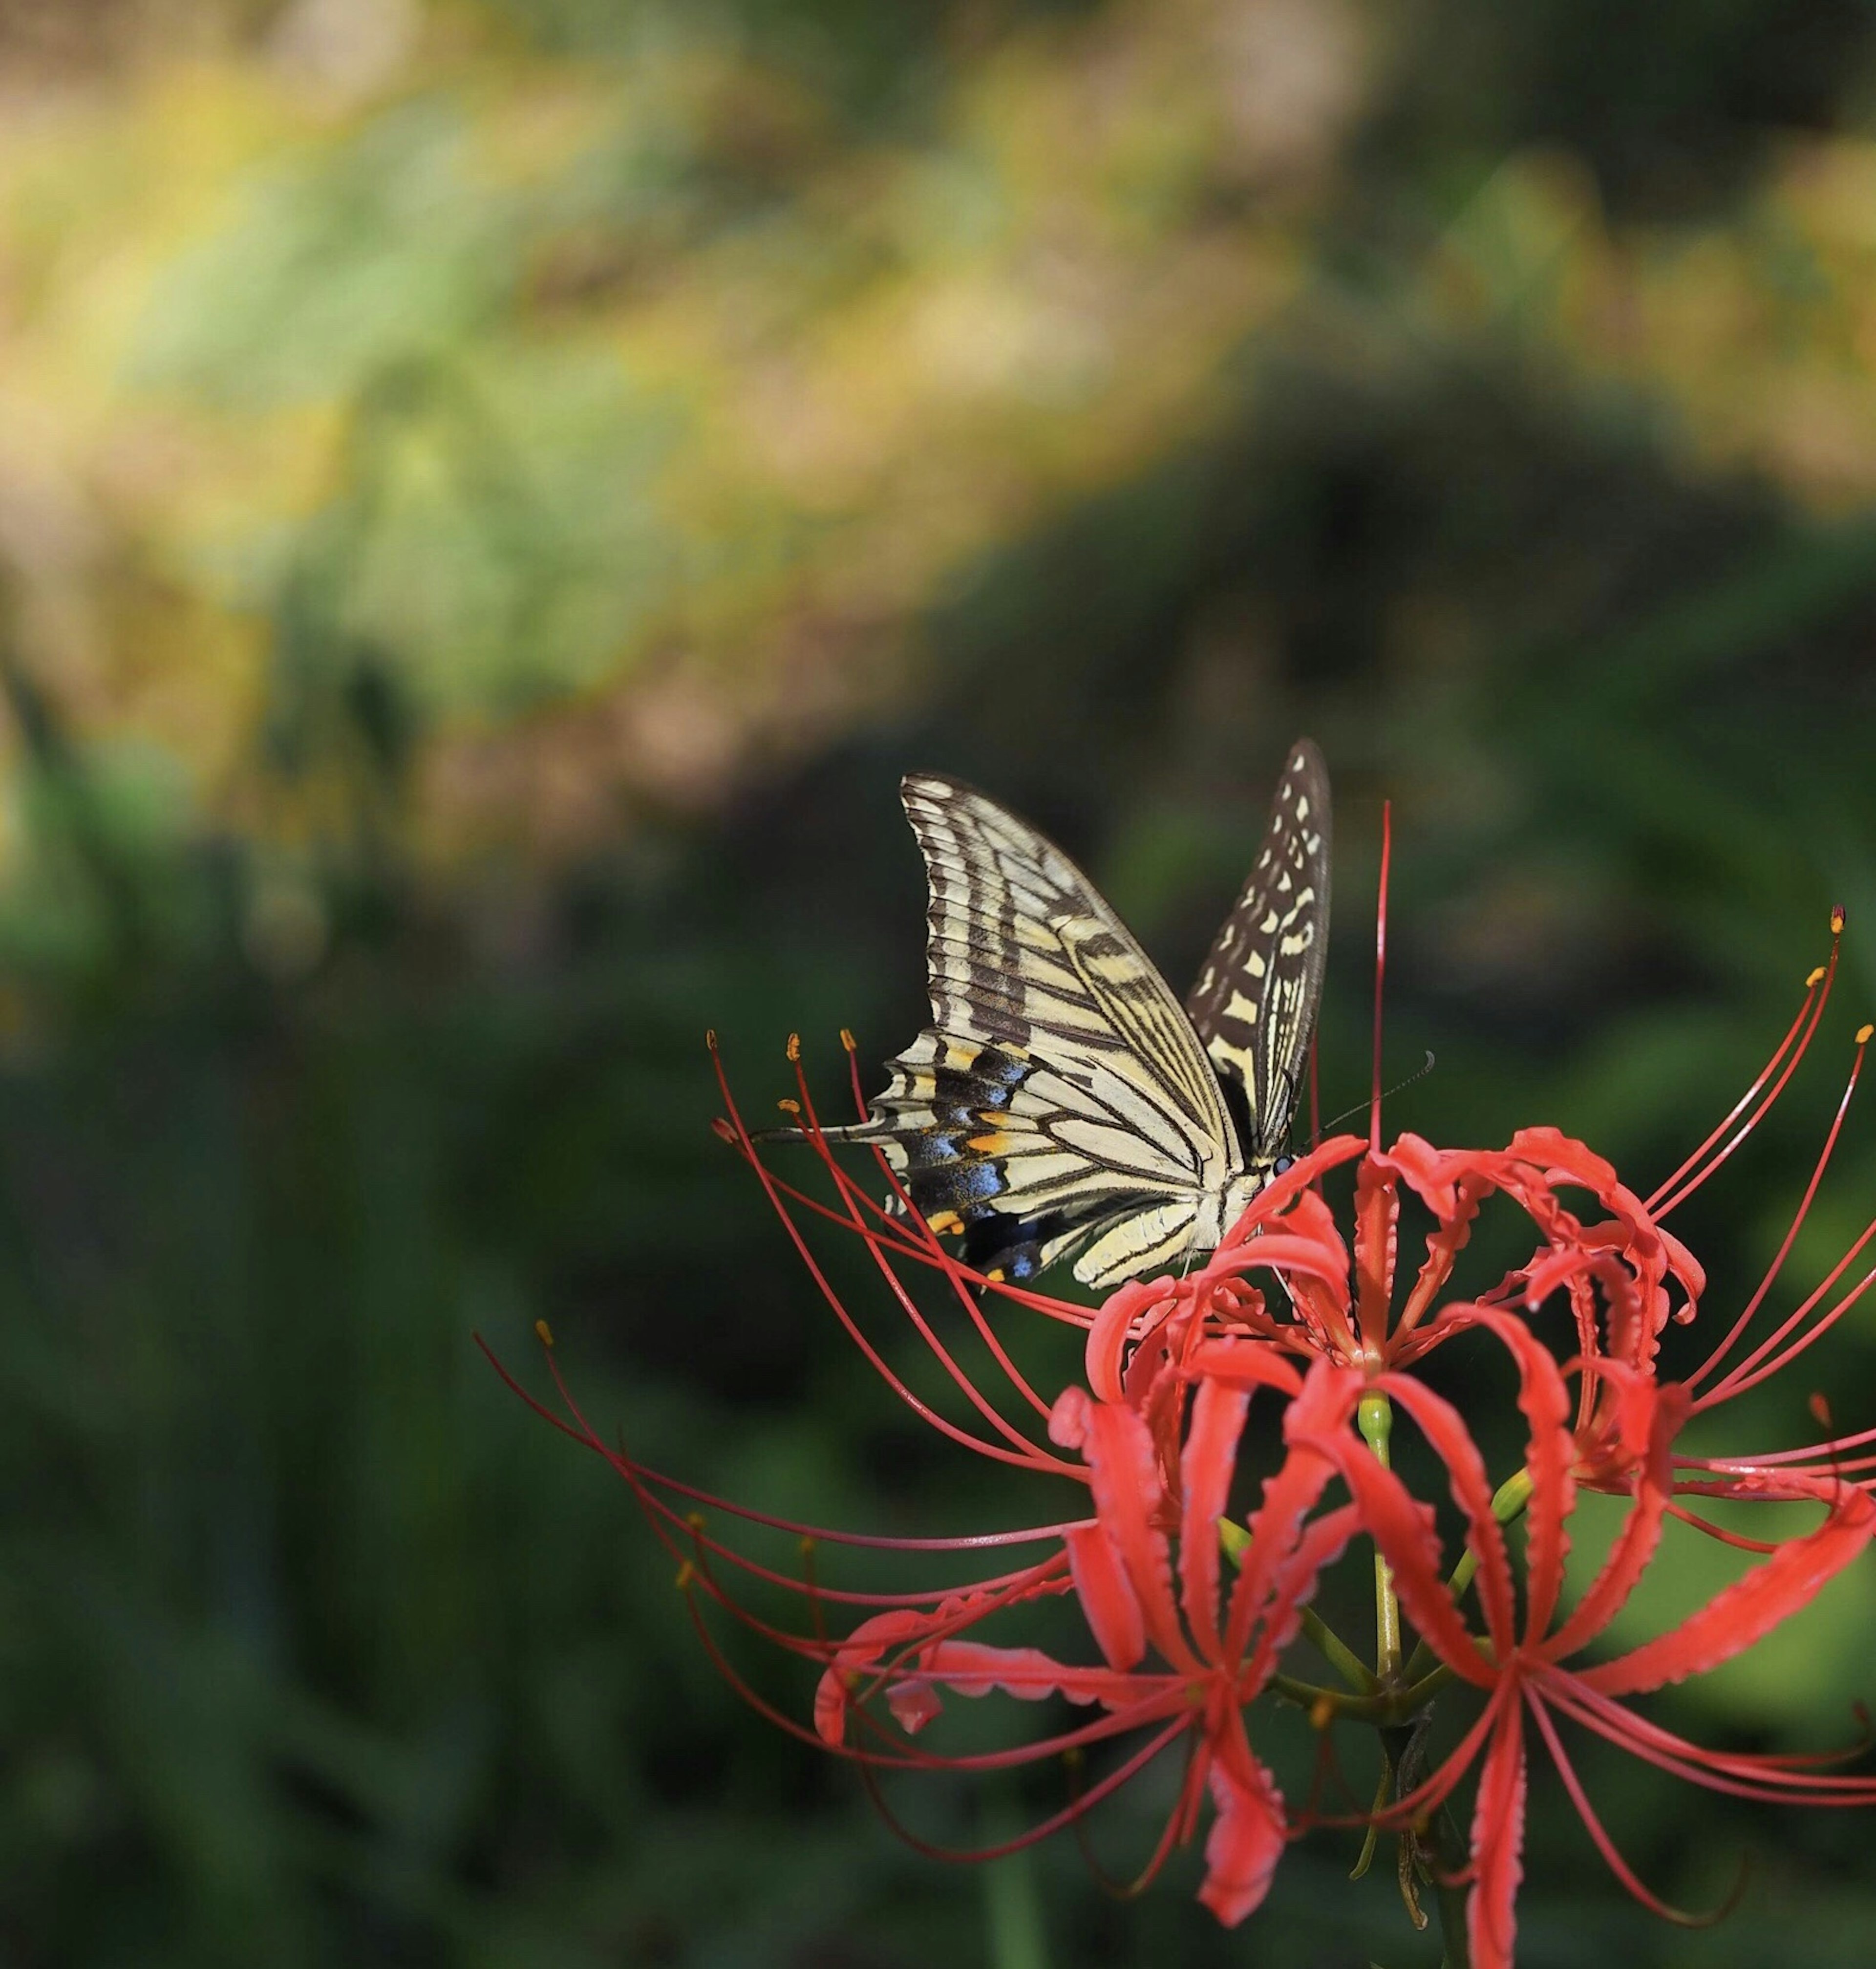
(1255, 1002)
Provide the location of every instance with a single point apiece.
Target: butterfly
(1062, 1102)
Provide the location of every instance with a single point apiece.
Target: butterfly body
(1062, 1101)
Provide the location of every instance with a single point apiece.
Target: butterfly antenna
(1315, 1098)
(1387, 1093)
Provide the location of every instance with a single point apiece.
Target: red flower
(1524, 1661)
(1174, 1647)
(1288, 1304)
(1331, 1303)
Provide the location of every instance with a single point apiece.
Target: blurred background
(492, 497)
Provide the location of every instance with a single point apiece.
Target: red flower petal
(1113, 1327)
(1549, 1455)
(1126, 1486)
(974, 1669)
(1377, 1229)
(1246, 1839)
(1446, 1431)
(1497, 1840)
(868, 1645)
(1745, 1612)
(1206, 1468)
(1640, 1534)
(1107, 1597)
(1322, 1410)
(1245, 1364)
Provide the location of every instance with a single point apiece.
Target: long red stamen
(1381, 966)
(1174, 1833)
(1674, 1192)
(1747, 1464)
(909, 1307)
(999, 1452)
(1078, 1807)
(1775, 1779)
(1747, 1375)
(1758, 1299)
(1605, 1844)
(1738, 1540)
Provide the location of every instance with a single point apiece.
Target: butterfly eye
(1281, 1164)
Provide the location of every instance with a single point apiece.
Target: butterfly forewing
(1255, 1003)
(1059, 1098)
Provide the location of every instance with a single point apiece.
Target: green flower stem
(1375, 1418)
(1236, 1542)
(1386, 1709)
(1339, 1655)
(1507, 1503)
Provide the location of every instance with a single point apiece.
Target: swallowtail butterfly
(1061, 1101)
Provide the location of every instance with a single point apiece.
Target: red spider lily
(1524, 1663)
(1288, 1303)
(1216, 1653)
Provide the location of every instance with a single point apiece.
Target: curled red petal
(1445, 1430)
(1322, 1410)
(1635, 1544)
(1377, 1232)
(1246, 1837)
(1403, 1530)
(914, 1703)
(1745, 1612)
(1245, 1364)
(1126, 1475)
(1549, 1455)
(1282, 1251)
(975, 1668)
(1497, 1840)
(1068, 1419)
(1113, 1327)
(1206, 1468)
(864, 1648)
(1109, 1602)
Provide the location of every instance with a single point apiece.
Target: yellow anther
(1322, 1711)
(543, 1333)
(1838, 918)
(848, 1041)
(794, 1046)
(1816, 978)
(1863, 1034)
(695, 1519)
(686, 1573)
(789, 1107)
(809, 1547)
(710, 1037)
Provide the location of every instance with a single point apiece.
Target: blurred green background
(491, 498)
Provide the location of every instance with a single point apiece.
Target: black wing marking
(1255, 1003)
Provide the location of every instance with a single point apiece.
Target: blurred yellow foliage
(625, 413)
